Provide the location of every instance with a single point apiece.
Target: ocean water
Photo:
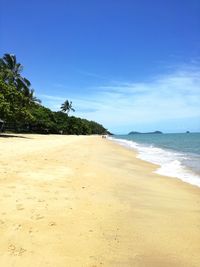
(177, 155)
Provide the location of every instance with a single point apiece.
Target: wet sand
(85, 201)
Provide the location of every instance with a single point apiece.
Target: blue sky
(128, 64)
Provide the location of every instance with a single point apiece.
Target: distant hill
(156, 132)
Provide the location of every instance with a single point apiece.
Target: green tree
(9, 69)
(43, 120)
(10, 73)
(12, 108)
(22, 112)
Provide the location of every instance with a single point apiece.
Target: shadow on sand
(12, 136)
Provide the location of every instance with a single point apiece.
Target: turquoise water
(178, 155)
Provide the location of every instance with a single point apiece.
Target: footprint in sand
(30, 231)
(13, 250)
(19, 207)
(17, 227)
(52, 224)
(37, 217)
(2, 222)
(41, 200)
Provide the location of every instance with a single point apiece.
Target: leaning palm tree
(10, 72)
(10, 69)
(67, 107)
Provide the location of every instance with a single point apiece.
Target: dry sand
(85, 201)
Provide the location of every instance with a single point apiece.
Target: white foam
(169, 161)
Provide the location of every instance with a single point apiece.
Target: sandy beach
(88, 202)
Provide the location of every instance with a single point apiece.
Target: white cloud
(175, 96)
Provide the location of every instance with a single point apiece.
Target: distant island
(156, 132)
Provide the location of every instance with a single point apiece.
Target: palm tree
(67, 107)
(10, 69)
(10, 72)
(30, 97)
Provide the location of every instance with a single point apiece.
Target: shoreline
(172, 168)
(86, 201)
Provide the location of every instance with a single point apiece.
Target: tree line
(22, 111)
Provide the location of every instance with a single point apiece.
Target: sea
(176, 154)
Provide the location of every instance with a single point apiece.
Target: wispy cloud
(170, 97)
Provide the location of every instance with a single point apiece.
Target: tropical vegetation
(22, 111)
